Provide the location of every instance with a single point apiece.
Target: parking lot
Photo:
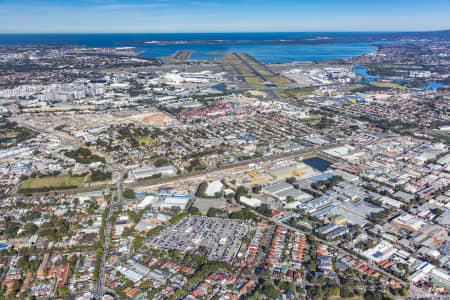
(221, 237)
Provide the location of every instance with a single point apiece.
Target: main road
(100, 288)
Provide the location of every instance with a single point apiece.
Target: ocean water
(251, 43)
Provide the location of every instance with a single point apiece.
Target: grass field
(263, 72)
(248, 74)
(258, 86)
(52, 181)
(294, 93)
(352, 298)
(279, 80)
(9, 133)
(442, 137)
(311, 121)
(146, 140)
(252, 79)
(354, 87)
(391, 85)
(10, 137)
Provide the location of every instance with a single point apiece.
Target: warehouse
(382, 251)
(213, 188)
(346, 176)
(252, 202)
(361, 208)
(391, 202)
(444, 160)
(317, 204)
(283, 172)
(174, 202)
(409, 222)
(282, 190)
(146, 202)
(294, 194)
(337, 232)
(340, 151)
(349, 217)
(320, 178)
(143, 173)
(276, 187)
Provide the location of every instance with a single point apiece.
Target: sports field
(59, 181)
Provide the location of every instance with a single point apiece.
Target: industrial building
(283, 172)
(143, 173)
(382, 251)
(317, 204)
(170, 202)
(213, 188)
(409, 222)
(252, 202)
(282, 190)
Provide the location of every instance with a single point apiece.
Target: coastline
(267, 48)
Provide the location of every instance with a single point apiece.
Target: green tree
(195, 211)
(138, 242)
(64, 292)
(161, 162)
(129, 194)
(291, 180)
(178, 293)
(174, 254)
(270, 290)
(201, 189)
(438, 212)
(211, 212)
(346, 292)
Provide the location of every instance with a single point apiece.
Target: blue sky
(94, 16)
